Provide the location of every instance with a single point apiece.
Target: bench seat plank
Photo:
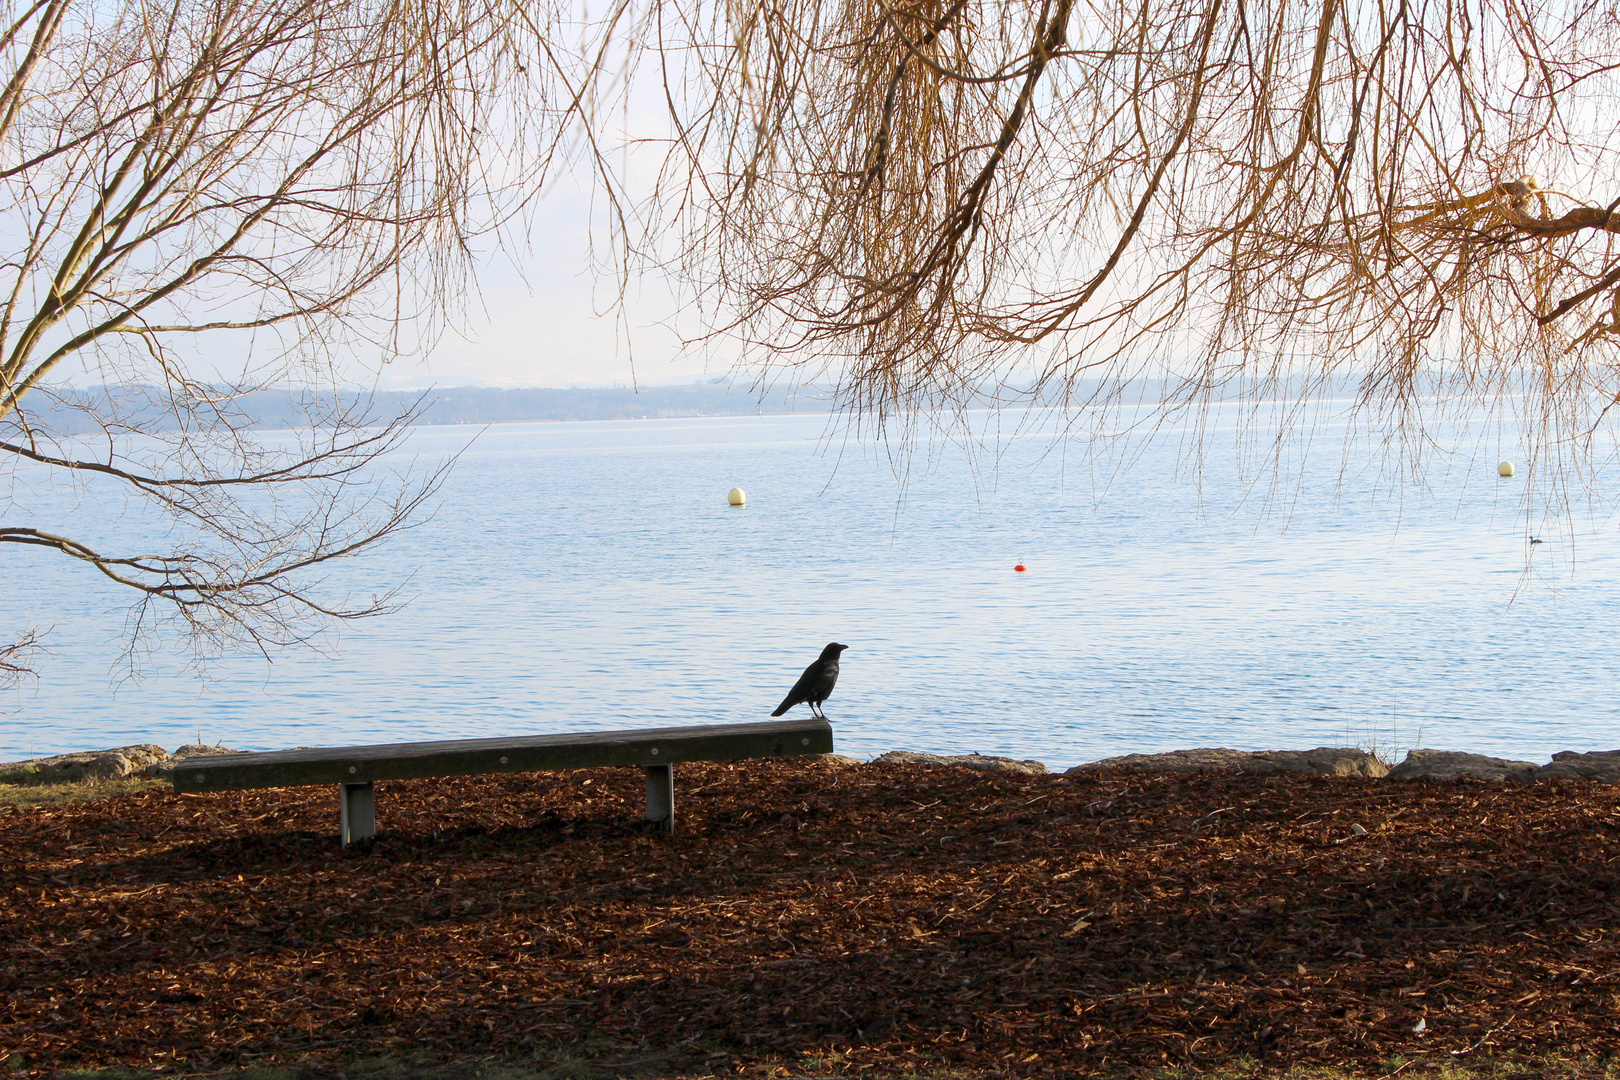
(524, 753)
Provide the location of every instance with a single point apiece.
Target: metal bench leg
(661, 795)
(359, 812)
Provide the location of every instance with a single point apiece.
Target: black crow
(816, 684)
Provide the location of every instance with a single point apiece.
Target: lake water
(582, 576)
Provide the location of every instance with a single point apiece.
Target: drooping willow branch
(1247, 196)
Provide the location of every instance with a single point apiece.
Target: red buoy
(1020, 568)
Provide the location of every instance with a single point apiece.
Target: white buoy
(1505, 469)
(736, 497)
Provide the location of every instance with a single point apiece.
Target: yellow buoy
(736, 497)
(1505, 469)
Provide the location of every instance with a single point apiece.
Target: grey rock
(164, 770)
(908, 757)
(1322, 761)
(981, 762)
(115, 764)
(1455, 765)
(1601, 765)
(834, 759)
(1200, 760)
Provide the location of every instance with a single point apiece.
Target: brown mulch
(835, 917)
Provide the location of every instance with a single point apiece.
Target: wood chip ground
(867, 918)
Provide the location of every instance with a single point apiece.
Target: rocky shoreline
(144, 760)
(1600, 765)
(148, 760)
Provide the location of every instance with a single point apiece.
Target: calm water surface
(590, 575)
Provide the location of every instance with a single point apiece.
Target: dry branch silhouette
(290, 185)
(944, 201)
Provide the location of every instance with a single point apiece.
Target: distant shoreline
(70, 411)
(144, 408)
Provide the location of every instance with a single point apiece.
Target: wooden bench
(356, 769)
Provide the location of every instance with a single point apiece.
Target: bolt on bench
(357, 768)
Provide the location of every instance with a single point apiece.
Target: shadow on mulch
(831, 917)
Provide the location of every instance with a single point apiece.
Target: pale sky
(533, 324)
(542, 327)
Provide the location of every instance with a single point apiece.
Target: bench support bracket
(359, 812)
(661, 796)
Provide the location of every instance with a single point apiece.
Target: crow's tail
(785, 706)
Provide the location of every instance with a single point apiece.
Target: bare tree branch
(1247, 197)
(295, 183)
